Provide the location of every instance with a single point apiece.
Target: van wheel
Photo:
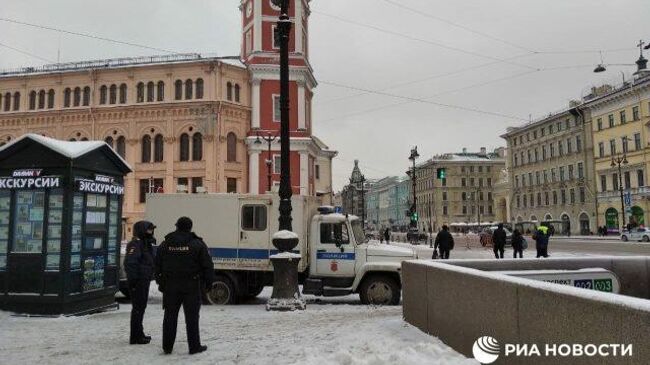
(252, 293)
(624, 238)
(380, 290)
(646, 239)
(222, 292)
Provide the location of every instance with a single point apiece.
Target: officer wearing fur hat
(184, 270)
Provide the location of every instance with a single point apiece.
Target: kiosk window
(28, 222)
(54, 221)
(331, 233)
(253, 217)
(5, 207)
(75, 242)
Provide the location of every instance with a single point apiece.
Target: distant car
(486, 236)
(636, 234)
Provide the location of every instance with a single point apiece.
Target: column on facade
(253, 172)
(304, 173)
(210, 163)
(255, 104)
(130, 182)
(168, 155)
(301, 106)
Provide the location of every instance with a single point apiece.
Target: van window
(253, 217)
(330, 233)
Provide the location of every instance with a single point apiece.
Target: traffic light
(414, 217)
(441, 173)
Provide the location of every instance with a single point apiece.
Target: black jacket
(499, 237)
(444, 240)
(139, 260)
(387, 235)
(517, 241)
(181, 258)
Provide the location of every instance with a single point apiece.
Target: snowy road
(330, 331)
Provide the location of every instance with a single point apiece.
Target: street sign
(627, 198)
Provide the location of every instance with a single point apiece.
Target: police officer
(183, 270)
(139, 267)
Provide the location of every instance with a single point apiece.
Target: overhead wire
(25, 52)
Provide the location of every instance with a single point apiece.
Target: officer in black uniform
(184, 270)
(139, 267)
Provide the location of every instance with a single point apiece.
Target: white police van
(336, 259)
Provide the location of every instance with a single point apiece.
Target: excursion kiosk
(60, 223)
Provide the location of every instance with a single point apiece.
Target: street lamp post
(478, 209)
(414, 155)
(363, 202)
(618, 161)
(286, 294)
(269, 138)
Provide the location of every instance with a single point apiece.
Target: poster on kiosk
(60, 225)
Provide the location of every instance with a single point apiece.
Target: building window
(463, 182)
(553, 176)
(158, 148)
(231, 185)
(610, 119)
(624, 141)
(444, 196)
(471, 181)
(109, 141)
(103, 94)
(639, 178)
(635, 113)
(623, 118)
(444, 210)
(151, 88)
(546, 201)
(41, 99)
(570, 167)
(489, 181)
(123, 94)
(178, 90)
(76, 101)
(197, 147)
(120, 146)
(16, 100)
(199, 88)
(537, 177)
(600, 124)
(184, 147)
(612, 146)
(525, 200)
(561, 173)
(50, 98)
(552, 150)
(563, 196)
(615, 182)
(182, 181)
(539, 199)
(276, 108)
(197, 182)
(229, 91)
(578, 144)
(572, 196)
(554, 197)
(543, 153)
(139, 92)
(637, 141)
(627, 180)
(582, 195)
(189, 86)
(518, 201)
(569, 146)
(581, 170)
(66, 97)
(32, 101)
(601, 149)
(603, 183)
(277, 164)
(237, 92)
(516, 181)
(560, 148)
(317, 171)
(85, 100)
(231, 147)
(516, 161)
(160, 92)
(146, 188)
(545, 177)
(146, 149)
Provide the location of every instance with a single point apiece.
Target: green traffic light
(442, 173)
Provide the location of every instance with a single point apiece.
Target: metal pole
(284, 28)
(363, 202)
(269, 163)
(620, 188)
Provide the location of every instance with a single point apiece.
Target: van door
(335, 256)
(254, 233)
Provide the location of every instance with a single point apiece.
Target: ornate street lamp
(269, 138)
(618, 161)
(414, 155)
(286, 294)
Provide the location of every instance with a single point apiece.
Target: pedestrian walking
(387, 235)
(541, 237)
(381, 235)
(517, 244)
(444, 243)
(184, 269)
(499, 241)
(139, 268)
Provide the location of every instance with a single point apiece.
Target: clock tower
(310, 158)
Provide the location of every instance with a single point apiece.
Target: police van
(336, 259)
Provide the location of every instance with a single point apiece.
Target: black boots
(198, 350)
(140, 341)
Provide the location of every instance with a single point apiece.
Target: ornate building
(354, 195)
(183, 122)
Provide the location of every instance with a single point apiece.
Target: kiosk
(60, 222)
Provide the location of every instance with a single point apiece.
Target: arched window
(178, 90)
(109, 141)
(86, 98)
(189, 85)
(123, 94)
(102, 94)
(16, 101)
(160, 91)
(8, 101)
(140, 92)
(150, 90)
(231, 147)
(50, 99)
(72, 139)
(66, 97)
(32, 100)
(158, 148)
(185, 147)
(112, 94)
(197, 147)
(84, 139)
(146, 148)
(41, 99)
(77, 97)
(229, 91)
(121, 146)
(199, 88)
(237, 93)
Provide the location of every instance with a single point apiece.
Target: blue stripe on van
(335, 256)
(243, 253)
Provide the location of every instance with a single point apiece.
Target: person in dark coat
(139, 267)
(387, 235)
(444, 243)
(499, 241)
(517, 244)
(541, 241)
(184, 269)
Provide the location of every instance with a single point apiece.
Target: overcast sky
(465, 54)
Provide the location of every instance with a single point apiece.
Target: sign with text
(101, 185)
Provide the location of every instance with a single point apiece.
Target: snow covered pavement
(330, 331)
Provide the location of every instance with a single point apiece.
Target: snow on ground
(330, 331)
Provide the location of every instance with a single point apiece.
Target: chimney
(483, 151)
(464, 149)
